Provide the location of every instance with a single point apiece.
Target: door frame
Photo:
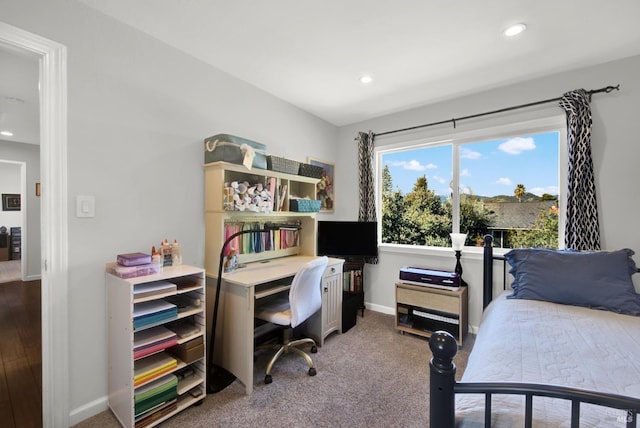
(54, 263)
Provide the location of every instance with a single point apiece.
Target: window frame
(552, 123)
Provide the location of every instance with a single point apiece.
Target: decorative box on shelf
(287, 166)
(304, 205)
(237, 150)
(308, 170)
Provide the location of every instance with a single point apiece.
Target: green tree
(394, 230)
(387, 182)
(424, 216)
(543, 233)
(519, 192)
(421, 217)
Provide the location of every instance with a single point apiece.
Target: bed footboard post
(442, 380)
(487, 268)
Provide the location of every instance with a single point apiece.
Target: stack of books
(153, 289)
(151, 400)
(150, 341)
(154, 312)
(153, 367)
(131, 265)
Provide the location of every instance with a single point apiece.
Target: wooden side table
(423, 310)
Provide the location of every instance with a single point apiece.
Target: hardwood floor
(20, 355)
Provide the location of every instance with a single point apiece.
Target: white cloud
(551, 190)
(413, 165)
(517, 145)
(439, 179)
(504, 180)
(469, 154)
(465, 173)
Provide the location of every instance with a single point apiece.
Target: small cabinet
(157, 344)
(423, 310)
(329, 318)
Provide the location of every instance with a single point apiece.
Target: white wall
(138, 113)
(29, 155)
(10, 183)
(615, 150)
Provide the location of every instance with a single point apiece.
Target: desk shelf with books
(223, 215)
(156, 344)
(353, 281)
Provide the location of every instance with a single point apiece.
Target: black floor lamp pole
(218, 378)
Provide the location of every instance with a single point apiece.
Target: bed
(562, 354)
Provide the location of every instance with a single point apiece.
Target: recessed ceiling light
(366, 79)
(514, 30)
(6, 133)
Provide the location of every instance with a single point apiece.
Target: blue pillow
(600, 279)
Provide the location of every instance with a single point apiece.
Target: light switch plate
(85, 206)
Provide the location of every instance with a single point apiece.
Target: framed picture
(325, 187)
(10, 202)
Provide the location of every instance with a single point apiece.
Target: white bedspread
(532, 341)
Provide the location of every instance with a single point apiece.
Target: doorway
(12, 219)
(54, 241)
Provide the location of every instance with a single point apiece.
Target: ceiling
(19, 101)
(312, 53)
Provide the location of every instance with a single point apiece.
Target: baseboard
(379, 308)
(32, 277)
(88, 410)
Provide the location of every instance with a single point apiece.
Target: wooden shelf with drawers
(423, 310)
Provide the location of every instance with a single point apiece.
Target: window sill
(474, 253)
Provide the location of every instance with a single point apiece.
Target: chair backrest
(305, 297)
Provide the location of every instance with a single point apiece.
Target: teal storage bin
(232, 149)
(304, 205)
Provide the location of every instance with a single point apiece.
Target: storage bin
(188, 351)
(229, 148)
(308, 170)
(304, 205)
(135, 271)
(288, 166)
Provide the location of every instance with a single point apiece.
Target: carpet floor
(370, 376)
(10, 271)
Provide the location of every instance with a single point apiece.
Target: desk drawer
(331, 270)
(425, 299)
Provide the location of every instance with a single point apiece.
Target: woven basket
(309, 170)
(304, 205)
(288, 166)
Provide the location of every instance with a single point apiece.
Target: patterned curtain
(581, 230)
(367, 211)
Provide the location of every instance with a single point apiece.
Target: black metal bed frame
(443, 385)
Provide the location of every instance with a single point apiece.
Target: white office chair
(304, 300)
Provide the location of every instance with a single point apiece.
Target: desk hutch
(234, 327)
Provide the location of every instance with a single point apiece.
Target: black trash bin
(350, 302)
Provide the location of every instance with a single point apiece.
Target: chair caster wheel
(314, 349)
(312, 371)
(268, 379)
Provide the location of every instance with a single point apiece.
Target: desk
(234, 329)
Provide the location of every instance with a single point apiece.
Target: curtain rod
(606, 89)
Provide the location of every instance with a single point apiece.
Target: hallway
(20, 354)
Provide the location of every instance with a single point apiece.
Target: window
(504, 182)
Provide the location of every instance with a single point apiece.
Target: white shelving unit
(120, 298)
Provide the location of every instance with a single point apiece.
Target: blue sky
(487, 168)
